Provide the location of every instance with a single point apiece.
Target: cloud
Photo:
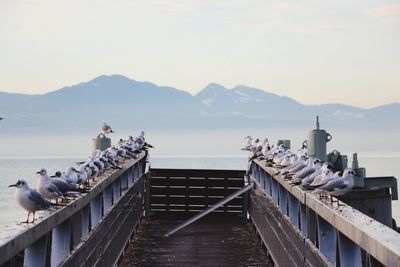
(385, 11)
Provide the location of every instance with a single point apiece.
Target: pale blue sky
(314, 51)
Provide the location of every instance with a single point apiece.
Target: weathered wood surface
(378, 240)
(285, 243)
(212, 241)
(33, 232)
(109, 238)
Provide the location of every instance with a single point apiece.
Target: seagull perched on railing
(106, 129)
(339, 186)
(29, 199)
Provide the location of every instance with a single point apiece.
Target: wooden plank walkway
(212, 241)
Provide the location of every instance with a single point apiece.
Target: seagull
(54, 188)
(1, 118)
(29, 199)
(106, 129)
(341, 186)
(314, 166)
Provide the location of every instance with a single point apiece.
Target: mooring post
(101, 142)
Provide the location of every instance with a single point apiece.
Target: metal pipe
(207, 211)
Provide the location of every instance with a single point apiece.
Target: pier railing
(298, 228)
(92, 230)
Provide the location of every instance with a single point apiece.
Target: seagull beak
(37, 172)
(12, 185)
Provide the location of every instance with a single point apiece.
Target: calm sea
(13, 169)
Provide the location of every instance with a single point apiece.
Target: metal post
(101, 142)
(35, 254)
(207, 211)
(60, 243)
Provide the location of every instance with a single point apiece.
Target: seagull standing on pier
(106, 129)
(29, 199)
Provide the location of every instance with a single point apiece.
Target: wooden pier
(216, 240)
(122, 221)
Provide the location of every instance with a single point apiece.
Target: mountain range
(126, 104)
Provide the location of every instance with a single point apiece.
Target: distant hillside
(127, 104)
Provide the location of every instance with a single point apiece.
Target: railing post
(268, 186)
(283, 199)
(349, 252)
(327, 239)
(294, 210)
(36, 254)
(312, 225)
(135, 171)
(303, 219)
(60, 243)
(130, 176)
(95, 210)
(275, 191)
(85, 222)
(147, 195)
(262, 179)
(116, 185)
(76, 225)
(107, 198)
(124, 181)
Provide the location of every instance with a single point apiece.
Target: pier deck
(218, 240)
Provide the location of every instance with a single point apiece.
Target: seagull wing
(38, 199)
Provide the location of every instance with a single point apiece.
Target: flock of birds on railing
(76, 180)
(300, 170)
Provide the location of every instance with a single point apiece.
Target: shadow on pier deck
(216, 240)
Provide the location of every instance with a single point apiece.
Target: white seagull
(29, 199)
(106, 129)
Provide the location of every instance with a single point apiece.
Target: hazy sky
(315, 51)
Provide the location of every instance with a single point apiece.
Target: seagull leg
(27, 219)
(33, 219)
